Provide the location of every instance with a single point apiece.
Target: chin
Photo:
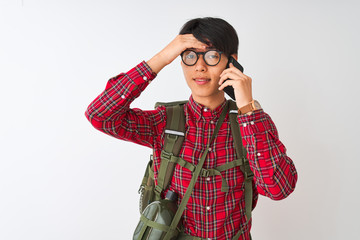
(207, 94)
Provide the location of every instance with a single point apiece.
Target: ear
(235, 56)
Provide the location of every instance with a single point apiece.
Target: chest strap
(209, 172)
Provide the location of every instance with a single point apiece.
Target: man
(205, 45)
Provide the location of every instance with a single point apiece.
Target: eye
(213, 55)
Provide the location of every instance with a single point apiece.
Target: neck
(210, 102)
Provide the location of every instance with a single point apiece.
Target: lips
(201, 80)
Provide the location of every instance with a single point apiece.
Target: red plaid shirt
(210, 213)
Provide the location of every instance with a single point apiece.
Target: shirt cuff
(253, 123)
(141, 74)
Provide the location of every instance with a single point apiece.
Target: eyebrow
(206, 49)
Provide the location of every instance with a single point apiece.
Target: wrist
(244, 103)
(249, 108)
(156, 63)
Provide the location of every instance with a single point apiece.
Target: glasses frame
(203, 54)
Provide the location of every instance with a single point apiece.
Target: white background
(61, 179)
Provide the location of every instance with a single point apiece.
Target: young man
(205, 45)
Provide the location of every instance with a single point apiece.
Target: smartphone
(229, 90)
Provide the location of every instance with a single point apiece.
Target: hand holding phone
(229, 90)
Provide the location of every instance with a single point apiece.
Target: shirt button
(244, 124)
(145, 78)
(208, 179)
(259, 154)
(212, 122)
(210, 149)
(206, 109)
(252, 122)
(123, 96)
(208, 208)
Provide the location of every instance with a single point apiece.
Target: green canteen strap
(153, 224)
(148, 224)
(194, 177)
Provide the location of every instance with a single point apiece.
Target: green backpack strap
(245, 166)
(174, 138)
(171, 234)
(146, 189)
(167, 104)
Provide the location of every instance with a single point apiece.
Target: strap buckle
(248, 174)
(158, 189)
(205, 172)
(166, 155)
(141, 189)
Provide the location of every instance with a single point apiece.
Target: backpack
(173, 140)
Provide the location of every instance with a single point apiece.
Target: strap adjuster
(205, 172)
(166, 155)
(158, 189)
(141, 189)
(248, 174)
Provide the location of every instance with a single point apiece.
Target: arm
(274, 172)
(110, 112)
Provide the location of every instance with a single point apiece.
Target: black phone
(229, 89)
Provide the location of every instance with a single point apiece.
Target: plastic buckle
(141, 189)
(158, 189)
(166, 155)
(248, 174)
(205, 172)
(172, 137)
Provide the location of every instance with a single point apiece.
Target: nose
(200, 65)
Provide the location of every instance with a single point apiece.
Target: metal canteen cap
(170, 195)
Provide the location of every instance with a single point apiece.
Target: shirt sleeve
(110, 112)
(275, 173)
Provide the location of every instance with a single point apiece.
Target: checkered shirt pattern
(210, 213)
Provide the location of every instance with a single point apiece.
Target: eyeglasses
(211, 57)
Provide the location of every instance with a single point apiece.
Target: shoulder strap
(170, 234)
(245, 166)
(174, 138)
(166, 104)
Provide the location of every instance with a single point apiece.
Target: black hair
(215, 32)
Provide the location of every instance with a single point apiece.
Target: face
(202, 79)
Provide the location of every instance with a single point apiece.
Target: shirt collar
(199, 111)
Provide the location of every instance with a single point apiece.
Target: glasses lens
(189, 57)
(212, 58)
